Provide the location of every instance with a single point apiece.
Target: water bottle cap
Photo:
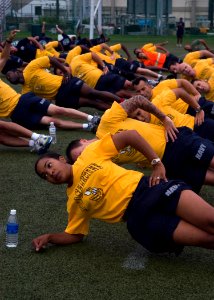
(51, 123)
(13, 212)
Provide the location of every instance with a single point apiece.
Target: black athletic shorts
(188, 157)
(69, 93)
(151, 215)
(30, 110)
(127, 66)
(110, 82)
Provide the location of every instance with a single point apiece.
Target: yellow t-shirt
(115, 120)
(72, 53)
(115, 48)
(178, 105)
(39, 81)
(8, 100)
(50, 47)
(97, 49)
(210, 95)
(192, 58)
(164, 102)
(41, 53)
(82, 67)
(203, 69)
(150, 47)
(101, 189)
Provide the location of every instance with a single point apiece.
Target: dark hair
(72, 145)
(16, 81)
(46, 155)
(196, 79)
(137, 80)
(57, 68)
(174, 62)
(135, 50)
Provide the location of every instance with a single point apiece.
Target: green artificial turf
(108, 264)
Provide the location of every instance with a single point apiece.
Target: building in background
(150, 16)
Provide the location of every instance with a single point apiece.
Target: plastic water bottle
(52, 132)
(12, 230)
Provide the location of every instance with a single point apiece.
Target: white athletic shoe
(42, 144)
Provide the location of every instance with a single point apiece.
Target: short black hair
(72, 145)
(137, 80)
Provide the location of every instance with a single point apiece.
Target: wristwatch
(155, 161)
(198, 109)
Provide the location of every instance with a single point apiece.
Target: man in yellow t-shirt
(177, 154)
(163, 216)
(12, 134)
(195, 100)
(32, 111)
(91, 69)
(164, 102)
(202, 69)
(113, 59)
(68, 91)
(193, 57)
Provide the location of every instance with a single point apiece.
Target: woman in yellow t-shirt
(161, 215)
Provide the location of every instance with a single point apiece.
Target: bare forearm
(206, 53)
(58, 64)
(186, 97)
(64, 238)
(6, 50)
(134, 139)
(138, 101)
(36, 43)
(106, 47)
(97, 59)
(188, 87)
(126, 51)
(5, 55)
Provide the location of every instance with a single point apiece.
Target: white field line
(137, 259)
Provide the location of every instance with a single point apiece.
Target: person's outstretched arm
(61, 238)
(36, 43)
(6, 50)
(139, 102)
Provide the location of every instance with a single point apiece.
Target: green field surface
(108, 264)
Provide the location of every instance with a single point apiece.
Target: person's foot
(42, 144)
(92, 127)
(153, 82)
(96, 119)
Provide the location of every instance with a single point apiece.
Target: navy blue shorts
(206, 129)
(206, 105)
(127, 66)
(151, 215)
(110, 82)
(69, 93)
(188, 158)
(30, 110)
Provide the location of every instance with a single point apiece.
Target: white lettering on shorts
(42, 101)
(172, 189)
(200, 151)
